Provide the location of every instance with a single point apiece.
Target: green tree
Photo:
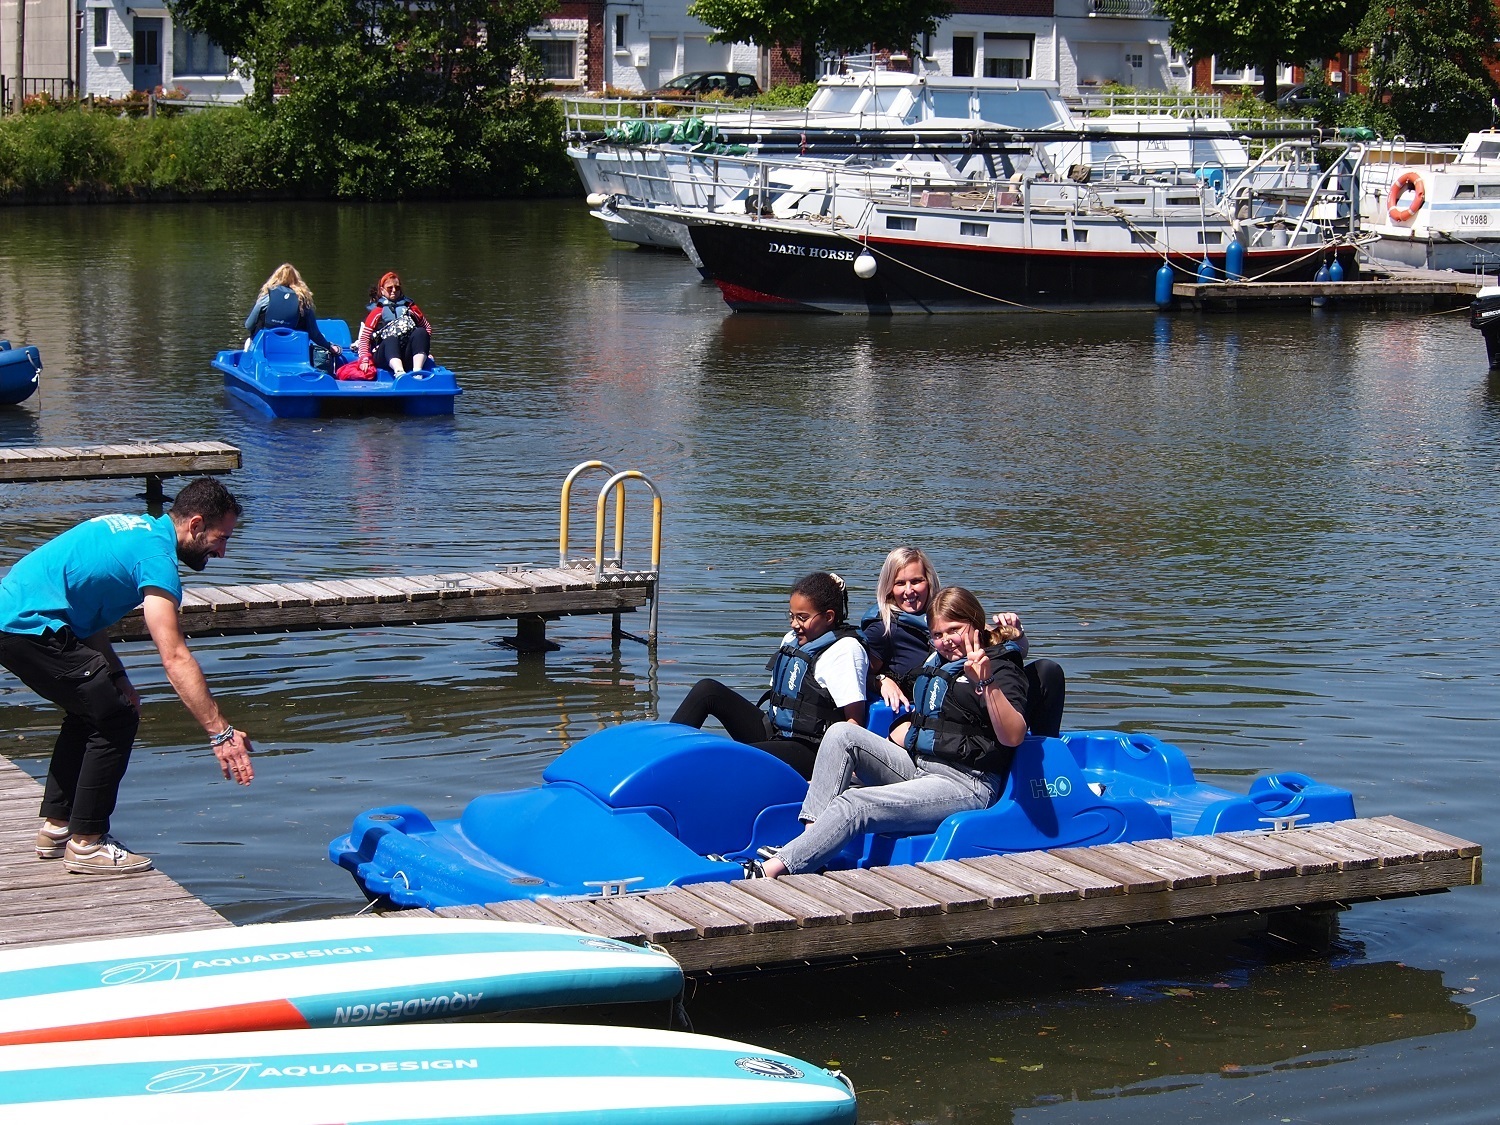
(1427, 69)
(383, 98)
(820, 27)
(1261, 33)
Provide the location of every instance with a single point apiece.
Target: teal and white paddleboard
(340, 972)
(474, 1073)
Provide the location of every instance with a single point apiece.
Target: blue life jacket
(800, 706)
(902, 647)
(396, 320)
(282, 309)
(950, 721)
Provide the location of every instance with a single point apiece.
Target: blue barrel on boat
(1234, 260)
(1213, 177)
(1205, 271)
(1164, 286)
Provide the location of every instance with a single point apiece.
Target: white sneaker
(104, 858)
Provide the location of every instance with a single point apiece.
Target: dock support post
(616, 633)
(531, 635)
(154, 493)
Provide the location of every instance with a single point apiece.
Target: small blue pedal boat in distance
(19, 368)
(275, 376)
(648, 805)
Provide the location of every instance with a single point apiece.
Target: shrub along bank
(74, 152)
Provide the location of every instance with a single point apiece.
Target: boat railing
(1170, 103)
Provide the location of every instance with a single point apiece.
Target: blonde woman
(285, 301)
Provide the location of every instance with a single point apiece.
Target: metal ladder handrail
(617, 483)
(563, 519)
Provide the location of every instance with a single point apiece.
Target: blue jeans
(896, 795)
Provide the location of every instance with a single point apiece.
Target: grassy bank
(75, 152)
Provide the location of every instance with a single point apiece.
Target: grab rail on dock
(615, 484)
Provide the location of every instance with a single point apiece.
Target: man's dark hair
(208, 498)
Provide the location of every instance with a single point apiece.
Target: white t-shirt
(842, 669)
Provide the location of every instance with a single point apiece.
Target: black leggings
(403, 347)
(744, 722)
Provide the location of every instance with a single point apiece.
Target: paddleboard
(518, 1074)
(339, 972)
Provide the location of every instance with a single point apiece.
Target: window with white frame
(195, 55)
(1007, 56)
(559, 45)
(101, 27)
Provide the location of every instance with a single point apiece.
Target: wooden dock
(152, 460)
(757, 923)
(1377, 286)
(531, 596)
(44, 904)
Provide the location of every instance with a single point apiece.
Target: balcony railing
(1134, 9)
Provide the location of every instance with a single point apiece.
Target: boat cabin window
(1487, 150)
(1210, 237)
(1464, 191)
(1182, 201)
(1142, 236)
(974, 230)
(1021, 109)
(835, 99)
(900, 222)
(1477, 191)
(949, 103)
(884, 99)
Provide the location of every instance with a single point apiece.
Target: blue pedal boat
(276, 377)
(645, 805)
(19, 368)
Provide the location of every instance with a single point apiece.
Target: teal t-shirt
(91, 575)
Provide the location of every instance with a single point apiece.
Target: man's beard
(193, 557)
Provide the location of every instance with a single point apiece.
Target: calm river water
(1269, 538)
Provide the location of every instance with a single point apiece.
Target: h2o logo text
(1041, 787)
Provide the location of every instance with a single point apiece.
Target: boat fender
(1404, 181)
(1234, 259)
(1318, 278)
(596, 199)
(1164, 286)
(1335, 269)
(865, 265)
(1205, 271)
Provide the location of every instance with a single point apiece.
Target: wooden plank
(414, 591)
(1057, 865)
(649, 919)
(583, 914)
(708, 920)
(1134, 878)
(249, 596)
(1390, 853)
(857, 907)
(952, 896)
(758, 914)
(1218, 868)
(285, 598)
(317, 593)
(1177, 874)
(1442, 840)
(373, 590)
(1282, 845)
(502, 581)
(520, 910)
(352, 594)
(1043, 888)
(1345, 853)
(809, 911)
(215, 596)
(1265, 866)
(876, 883)
(996, 892)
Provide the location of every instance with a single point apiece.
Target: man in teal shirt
(56, 607)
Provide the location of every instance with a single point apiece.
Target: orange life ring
(1419, 196)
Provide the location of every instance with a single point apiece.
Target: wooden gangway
(757, 923)
(44, 904)
(530, 596)
(152, 460)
